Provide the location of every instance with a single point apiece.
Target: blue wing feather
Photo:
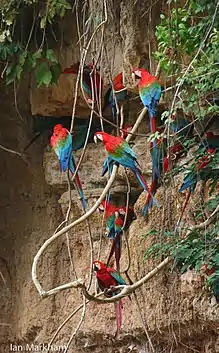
(107, 165)
(150, 97)
(64, 153)
(117, 277)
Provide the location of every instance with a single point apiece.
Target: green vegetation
(188, 47)
(17, 52)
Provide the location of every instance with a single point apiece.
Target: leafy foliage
(181, 36)
(16, 55)
(200, 249)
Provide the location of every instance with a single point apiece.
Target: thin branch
(78, 326)
(41, 291)
(204, 224)
(69, 318)
(11, 151)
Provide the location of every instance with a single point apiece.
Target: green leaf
(22, 58)
(50, 55)
(56, 71)
(43, 74)
(19, 70)
(47, 78)
(11, 74)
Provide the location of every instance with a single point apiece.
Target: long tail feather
(183, 210)
(149, 200)
(153, 124)
(118, 309)
(78, 183)
(144, 184)
(116, 248)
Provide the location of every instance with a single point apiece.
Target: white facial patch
(137, 73)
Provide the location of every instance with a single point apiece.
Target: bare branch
(11, 151)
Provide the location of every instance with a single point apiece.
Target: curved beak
(95, 139)
(100, 208)
(133, 77)
(95, 268)
(121, 211)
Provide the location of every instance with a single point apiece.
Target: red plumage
(104, 277)
(118, 82)
(111, 142)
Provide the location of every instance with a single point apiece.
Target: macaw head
(57, 134)
(126, 130)
(209, 134)
(102, 136)
(140, 74)
(73, 69)
(118, 82)
(57, 129)
(98, 265)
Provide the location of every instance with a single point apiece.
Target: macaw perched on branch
(107, 278)
(61, 142)
(211, 140)
(150, 93)
(199, 172)
(119, 151)
(86, 80)
(109, 99)
(182, 128)
(174, 151)
(116, 222)
(126, 130)
(158, 156)
(212, 271)
(108, 162)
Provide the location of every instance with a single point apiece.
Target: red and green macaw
(119, 151)
(61, 142)
(175, 151)
(126, 130)
(211, 271)
(199, 172)
(210, 140)
(109, 99)
(150, 93)
(108, 162)
(116, 222)
(158, 156)
(182, 128)
(107, 278)
(86, 80)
